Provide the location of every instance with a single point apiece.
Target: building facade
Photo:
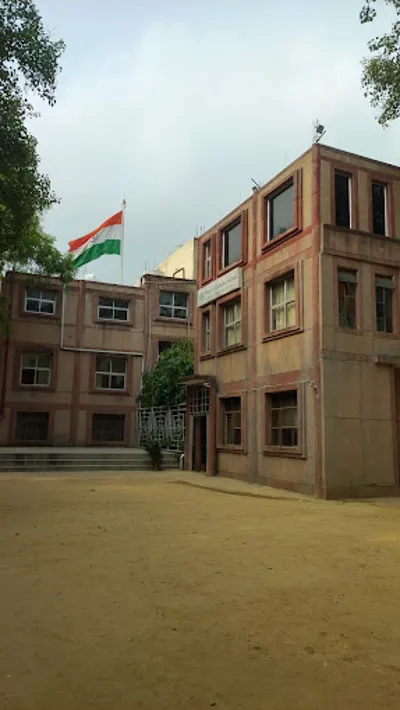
(297, 379)
(183, 262)
(72, 364)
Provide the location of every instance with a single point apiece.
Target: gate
(165, 424)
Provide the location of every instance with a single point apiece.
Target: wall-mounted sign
(220, 287)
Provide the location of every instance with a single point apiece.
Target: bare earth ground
(138, 592)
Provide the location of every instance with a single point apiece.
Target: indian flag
(106, 239)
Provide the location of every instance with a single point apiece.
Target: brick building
(297, 379)
(72, 365)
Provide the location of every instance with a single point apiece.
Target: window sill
(114, 393)
(206, 356)
(231, 349)
(383, 334)
(231, 449)
(46, 316)
(279, 240)
(284, 451)
(105, 322)
(226, 269)
(175, 321)
(349, 331)
(34, 388)
(284, 333)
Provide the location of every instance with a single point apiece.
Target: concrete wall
(183, 262)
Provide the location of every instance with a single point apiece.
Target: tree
(162, 385)
(29, 65)
(381, 72)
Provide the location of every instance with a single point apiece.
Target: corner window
(232, 244)
(384, 304)
(107, 428)
(32, 426)
(283, 419)
(36, 369)
(113, 309)
(174, 305)
(207, 264)
(232, 324)
(280, 209)
(347, 287)
(342, 200)
(206, 332)
(40, 301)
(111, 372)
(232, 421)
(379, 217)
(282, 303)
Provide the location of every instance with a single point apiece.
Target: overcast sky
(176, 104)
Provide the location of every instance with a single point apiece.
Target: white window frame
(36, 368)
(113, 309)
(110, 374)
(173, 307)
(207, 260)
(235, 324)
(40, 299)
(207, 331)
(283, 304)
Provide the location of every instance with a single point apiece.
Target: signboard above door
(220, 287)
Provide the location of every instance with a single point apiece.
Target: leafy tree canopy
(381, 71)
(161, 386)
(29, 65)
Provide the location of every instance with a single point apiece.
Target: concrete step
(80, 460)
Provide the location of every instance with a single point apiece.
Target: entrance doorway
(199, 406)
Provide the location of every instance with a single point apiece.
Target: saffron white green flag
(106, 239)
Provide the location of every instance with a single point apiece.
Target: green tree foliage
(29, 65)
(162, 386)
(381, 71)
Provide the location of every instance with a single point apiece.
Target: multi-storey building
(297, 379)
(72, 364)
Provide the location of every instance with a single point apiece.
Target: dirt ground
(139, 592)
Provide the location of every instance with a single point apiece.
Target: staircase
(79, 460)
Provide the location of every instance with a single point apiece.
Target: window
(173, 305)
(232, 421)
(347, 285)
(232, 324)
(342, 200)
(164, 345)
(108, 427)
(207, 260)
(232, 244)
(110, 372)
(39, 301)
(206, 333)
(379, 208)
(281, 211)
(36, 369)
(283, 430)
(384, 304)
(282, 303)
(112, 309)
(32, 426)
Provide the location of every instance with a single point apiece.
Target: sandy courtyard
(139, 592)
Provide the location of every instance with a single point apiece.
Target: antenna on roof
(257, 186)
(319, 131)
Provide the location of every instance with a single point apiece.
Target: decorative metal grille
(165, 424)
(199, 401)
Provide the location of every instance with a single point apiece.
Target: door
(200, 443)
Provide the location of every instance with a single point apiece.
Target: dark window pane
(32, 426)
(342, 199)
(117, 382)
(347, 286)
(32, 306)
(283, 419)
(118, 365)
(166, 311)
(103, 301)
(102, 382)
(166, 298)
(181, 300)
(47, 307)
(119, 303)
(27, 377)
(232, 244)
(180, 313)
(105, 313)
(384, 308)
(164, 345)
(281, 212)
(108, 427)
(379, 208)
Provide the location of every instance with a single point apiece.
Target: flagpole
(123, 239)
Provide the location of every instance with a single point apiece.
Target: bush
(154, 449)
